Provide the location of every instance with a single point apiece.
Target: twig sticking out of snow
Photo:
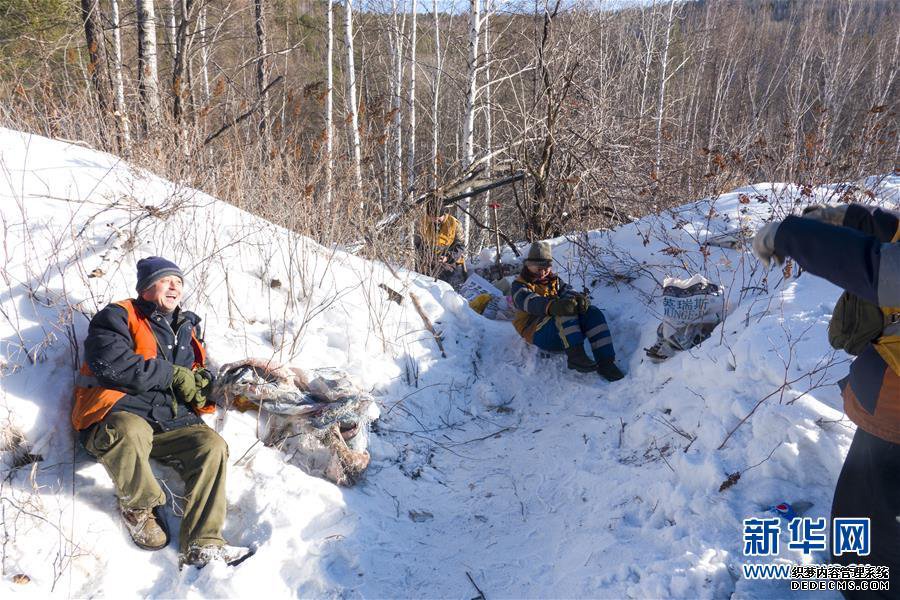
(733, 478)
(480, 595)
(428, 325)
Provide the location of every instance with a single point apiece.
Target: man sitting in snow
(857, 249)
(440, 246)
(137, 397)
(553, 317)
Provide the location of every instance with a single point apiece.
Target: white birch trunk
(662, 85)
(393, 129)
(329, 105)
(204, 53)
(411, 155)
(435, 94)
(169, 28)
(486, 213)
(148, 75)
(286, 85)
(648, 58)
(262, 76)
(471, 93)
(396, 96)
(351, 99)
(180, 79)
(118, 84)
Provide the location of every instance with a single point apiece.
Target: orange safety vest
(93, 401)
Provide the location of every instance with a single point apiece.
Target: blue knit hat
(152, 269)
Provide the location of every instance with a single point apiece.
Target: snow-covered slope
(495, 465)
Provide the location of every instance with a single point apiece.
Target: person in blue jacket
(856, 248)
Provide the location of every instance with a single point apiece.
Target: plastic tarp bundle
(691, 309)
(317, 417)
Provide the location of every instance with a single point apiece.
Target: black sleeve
(846, 257)
(876, 222)
(108, 351)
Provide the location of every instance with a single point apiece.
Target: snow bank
(494, 463)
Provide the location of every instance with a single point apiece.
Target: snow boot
(200, 556)
(609, 371)
(146, 526)
(579, 360)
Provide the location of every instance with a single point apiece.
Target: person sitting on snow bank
(857, 249)
(440, 246)
(137, 397)
(553, 317)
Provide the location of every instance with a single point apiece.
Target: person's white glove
(764, 244)
(833, 214)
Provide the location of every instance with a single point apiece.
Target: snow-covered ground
(495, 465)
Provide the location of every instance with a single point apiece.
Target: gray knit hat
(540, 252)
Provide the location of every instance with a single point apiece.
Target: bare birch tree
(329, 107)
(148, 75)
(435, 94)
(411, 141)
(663, 78)
(121, 112)
(204, 51)
(180, 81)
(351, 97)
(262, 75)
(471, 98)
(649, 40)
(488, 124)
(397, 32)
(169, 26)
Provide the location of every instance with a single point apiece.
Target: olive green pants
(124, 443)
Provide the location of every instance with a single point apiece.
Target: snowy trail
(495, 463)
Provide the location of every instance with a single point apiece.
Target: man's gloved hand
(184, 385)
(563, 307)
(203, 379)
(833, 214)
(582, 303)
(764, 244)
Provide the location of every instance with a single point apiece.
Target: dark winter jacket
(532, 300)
(861, 258)
(147, 383)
